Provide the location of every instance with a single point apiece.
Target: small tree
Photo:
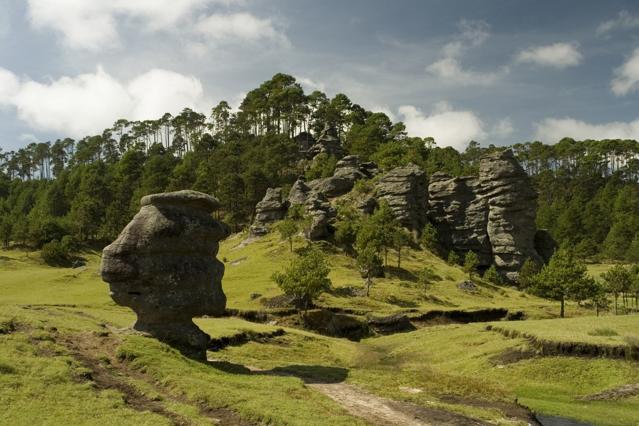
(527, 273)
(470, 263)
(401, 239)
(306, 277)
(369, 263)
(618, 280)
(287, 229)
(564, 278)
(426, 276)
(491, 275)
(429, 239)
(453, 258)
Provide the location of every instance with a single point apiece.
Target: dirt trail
(625, 391)
(369, 407)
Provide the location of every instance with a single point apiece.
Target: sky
(494, 71)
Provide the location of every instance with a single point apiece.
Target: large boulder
(269, 210)
(347, 172)
(512, 208)
(163, 266)
(405, 191)
(317, 207)
(459, 215)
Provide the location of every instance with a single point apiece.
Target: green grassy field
(66, 353)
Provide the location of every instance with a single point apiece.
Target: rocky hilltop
(492, 214)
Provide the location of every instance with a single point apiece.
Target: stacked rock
(163, 266)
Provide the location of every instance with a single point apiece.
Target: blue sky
(500, 71)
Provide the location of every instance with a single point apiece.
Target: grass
(460, 368)
(604, 330)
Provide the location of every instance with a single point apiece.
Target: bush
(55, 253)
(453, 258)
(426, 276)
(491, 275)
(306, 278)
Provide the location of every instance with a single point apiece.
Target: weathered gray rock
(269, 210)
(346, 173)
(163, 266)
(512, 208)
(405, 191)
(316, 206)
(327, 143)
(459, 215)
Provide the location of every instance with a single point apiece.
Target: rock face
(269, 210)
(163, 266)
(493, 215)
(460, 215)
(512, 208)
(328, 143)
(405, 191)
(347, 172)
(316, 206)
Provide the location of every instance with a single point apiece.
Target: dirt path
(369, 407)
(625, 391)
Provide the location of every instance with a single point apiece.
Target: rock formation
(347, 172)
(405, 191)
(316, 206)
(269, 210)
(459, 215)
(512, 209)
(327, 143)
(492, 215)
(163, 266)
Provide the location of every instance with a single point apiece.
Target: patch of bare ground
(625, 391)
(510, 410)
(96, 351)
(511, 356)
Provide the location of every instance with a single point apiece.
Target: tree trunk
(290, 241)
(561, 313)
(399, 258)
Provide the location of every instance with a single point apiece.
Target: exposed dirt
(96, 352)
(244, 337)
(511, 410)
(511, 356)
(625, 391)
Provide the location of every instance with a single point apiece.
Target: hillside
(63, 341)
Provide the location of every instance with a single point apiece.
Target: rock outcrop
(492, 215)
(347, 171)
(269, 210)
(163, 266)
(316, 206)
(405, 191)
(512, 209)
(327, 143)
(459, 215)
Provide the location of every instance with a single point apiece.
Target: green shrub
(55, 253)
(453, 258)
(491, 275)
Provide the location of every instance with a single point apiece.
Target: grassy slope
(444, 363)
(249, 268)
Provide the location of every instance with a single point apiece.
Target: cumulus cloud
(238, 27)
(552, 130)
(310, 84)
(624, 21)
(626, 78)
(88, 103)
(471, 34)
(448, 127)
(502, 129)
(93, 25)
(9, 86)
(557, 55)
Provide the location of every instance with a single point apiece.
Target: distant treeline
(90, 188)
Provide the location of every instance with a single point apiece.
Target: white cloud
(447, 127)
(88, 103)
(552, 130)
(28, 138)
(239, 27)
(471, 34)
(623, 21)
(93, 25)
(626, 78)
(558, 55)
(502, 129)
(9, 86)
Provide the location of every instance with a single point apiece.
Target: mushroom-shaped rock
(163, 266)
